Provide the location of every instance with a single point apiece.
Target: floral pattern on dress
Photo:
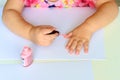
(59, 3)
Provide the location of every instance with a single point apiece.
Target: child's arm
(14, 21)
(106, 12)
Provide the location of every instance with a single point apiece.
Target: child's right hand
(40, 35)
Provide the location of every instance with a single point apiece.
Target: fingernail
(77, 52)
(66, 47)
(71, 52)
(64, 35)
(54, 28)
(86, 51)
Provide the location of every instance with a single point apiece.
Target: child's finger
(51, 27)
(73, 46)
(79, 46)
(67, 35)
(48, 30)
(53, 36)
(86, 46)
(69, 43)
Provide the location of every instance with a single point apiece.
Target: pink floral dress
(59, 3)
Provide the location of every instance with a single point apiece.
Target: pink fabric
(30, 2)
(90, 3)
(60, 3)
(26, 55)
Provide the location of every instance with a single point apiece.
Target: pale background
(109, 69)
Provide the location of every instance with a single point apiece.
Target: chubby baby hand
(78, 38)
(42, 36)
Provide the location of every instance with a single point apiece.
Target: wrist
(30, 32)
(88, 27)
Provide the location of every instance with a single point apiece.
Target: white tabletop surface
(65, 20)
(11, 45)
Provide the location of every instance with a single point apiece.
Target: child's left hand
(78, 38)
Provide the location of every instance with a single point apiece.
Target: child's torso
(59, 3)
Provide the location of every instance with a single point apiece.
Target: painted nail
(66, 47)
(77, 52)
(70, 51)
(86, 51)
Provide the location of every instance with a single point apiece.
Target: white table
(48, 63)
(65, 20)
